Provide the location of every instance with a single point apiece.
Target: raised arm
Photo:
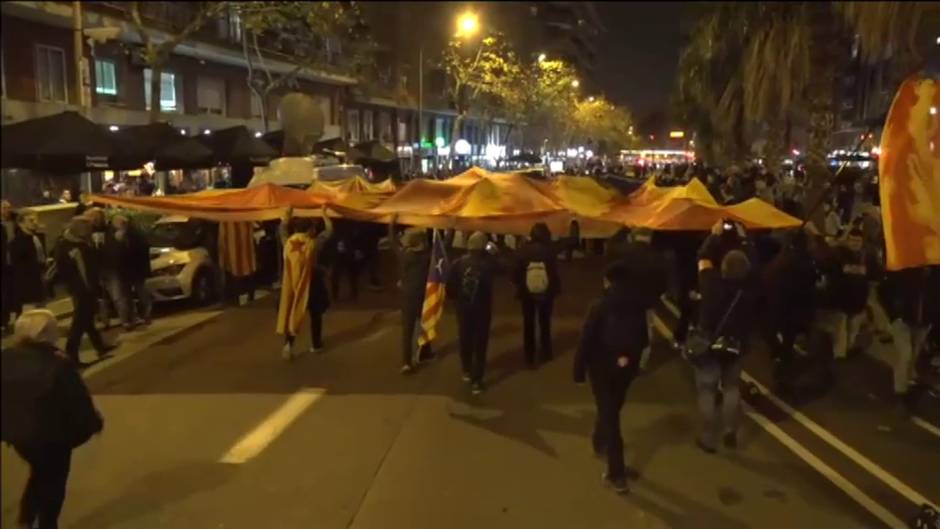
(327, 230)
(393, 235)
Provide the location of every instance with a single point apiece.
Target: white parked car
(180, 264)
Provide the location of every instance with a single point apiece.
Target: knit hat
(477, 241)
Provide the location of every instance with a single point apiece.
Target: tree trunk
(821, 117)
(775, 148)
(156, 73)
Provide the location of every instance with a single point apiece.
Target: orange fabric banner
(909, 170)
(237, 248)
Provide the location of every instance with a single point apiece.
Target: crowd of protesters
(812, 294)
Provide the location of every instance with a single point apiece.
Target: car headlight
(170, 271)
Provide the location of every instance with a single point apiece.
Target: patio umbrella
(526, 157)
(372, 150)
(238, 146)
(161, 144)
(65, 142)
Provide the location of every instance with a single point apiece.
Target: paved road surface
(206, 427)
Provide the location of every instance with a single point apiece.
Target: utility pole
(420, 106)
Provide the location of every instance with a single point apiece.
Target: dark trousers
(532, 308)
(473, 325)
(610, 391)
(83, 322)
(235, 286)
(316, 330)
(349, 270)
(45, 490)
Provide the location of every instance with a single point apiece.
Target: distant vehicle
(301, 172)
(180, 264)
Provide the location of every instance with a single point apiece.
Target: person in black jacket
(538, 283)
(6, 238)
(471, 282)
(27, 262)
(78, 267)
(46, 413)
(125, 265)
(725, 316)
(414, 259)
(609, 353)
(845, 272)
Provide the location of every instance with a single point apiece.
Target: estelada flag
(237, 248)
(295, 284)
(909, 168)
(434, 291)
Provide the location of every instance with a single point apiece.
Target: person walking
(7, 307)
(725, 320)
(471, 281)
(608, 354)
(845, 297)
(302, 282)
(27, 263)
(538, 284)
(46, 413)
(414, 260)
(113, 254)
(79, 270)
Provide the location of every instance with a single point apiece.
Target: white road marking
(806, 422)
(926, 425)
(828, 472)
(859, 459)
(252, 443)
(670, 305)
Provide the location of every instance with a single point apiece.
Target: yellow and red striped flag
(434, 291)
(909, 171)
(237, 248)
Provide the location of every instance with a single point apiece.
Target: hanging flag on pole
(909, 172)
(434, 291)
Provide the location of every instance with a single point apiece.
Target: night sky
(638, 52)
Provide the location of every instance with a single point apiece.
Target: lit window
(168, 102)
(50, 74)
(105, 78)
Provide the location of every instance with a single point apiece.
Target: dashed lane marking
(255, 441)
(926, 425)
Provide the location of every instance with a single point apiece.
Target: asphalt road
(207, 427)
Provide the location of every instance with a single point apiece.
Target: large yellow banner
(909, 170)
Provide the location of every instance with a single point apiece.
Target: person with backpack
(727, 306)
(538, 285)
(46, 413)
(471, 279)
(608, 354)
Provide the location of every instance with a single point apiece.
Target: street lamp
(468, 23)
(542, 57)
(590, 99)
(575, 83)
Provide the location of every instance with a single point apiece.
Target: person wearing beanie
(538, 283)
(78, 268)
(608, 354)
(470, 283)
(414, 258)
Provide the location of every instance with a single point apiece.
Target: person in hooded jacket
(414, 259)
(538, 284)
(609, 352)
(725, 316)
(471, 280)
(46, 413)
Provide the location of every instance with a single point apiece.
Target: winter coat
(128, 259)
(77, 266)
(541, 248)
(470, 280)
(27, 265)
(44, 399)
(615, 326)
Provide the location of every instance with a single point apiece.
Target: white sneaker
(286, 352)
(315, 350)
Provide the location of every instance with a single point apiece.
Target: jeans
(474, 328)
(541, 308)
(610, 392)
(908, 341)
(83, 322)
(44, 494)
(844, 329)
(122, 295)
(707, 376)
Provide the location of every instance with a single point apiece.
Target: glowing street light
(591, 99)
(468, 23)
(575, 83)
(542, 57)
